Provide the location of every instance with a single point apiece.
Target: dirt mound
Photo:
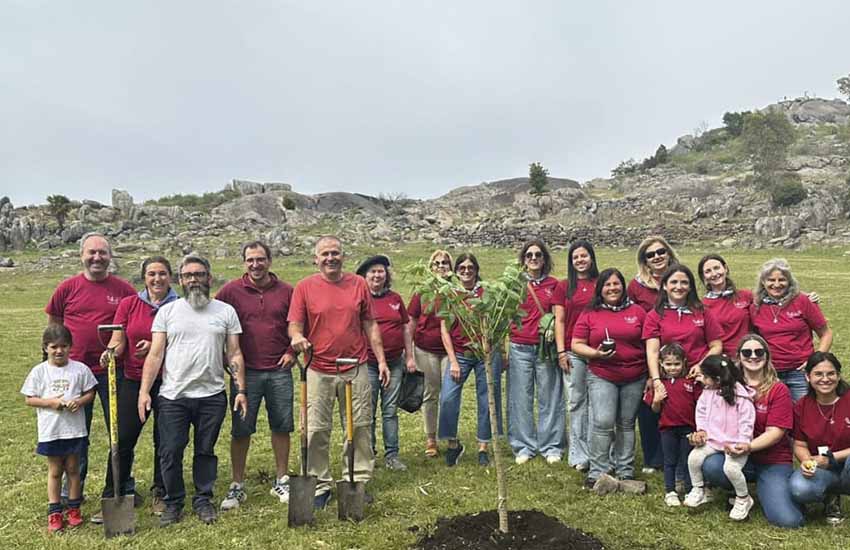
(529, 529)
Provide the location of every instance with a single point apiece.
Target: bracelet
(656, 378)
(242, 392)
(562, 352)
(833, 463)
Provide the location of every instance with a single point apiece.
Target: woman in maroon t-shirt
(729, 306)
(571, 297)
(429, 351)
(822, 437)
(770, 462)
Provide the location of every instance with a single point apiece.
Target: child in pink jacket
(725, 417)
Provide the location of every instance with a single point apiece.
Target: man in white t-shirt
(195, 331)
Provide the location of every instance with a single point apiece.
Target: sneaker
(280, 489)
(320, 502)
(55, 523)
(581, 467)
(157, 504)
(431, 449)
(647, 470)
(672, 499)
(73, 517)
(171, 514)
(453, 455)
(235, 496)
(393, 463)
(522, 459)
(97, 518)
(695, 498)
(206, 512)
(741, 509)
(553, 459)
(832, 509)
(483, 458)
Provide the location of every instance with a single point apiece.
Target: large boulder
(805, 110)
(122, 201)
(773, 227)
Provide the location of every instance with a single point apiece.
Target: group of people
(725, 389)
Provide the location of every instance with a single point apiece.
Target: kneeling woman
(822, 437)
(617, 374)
(461, 364)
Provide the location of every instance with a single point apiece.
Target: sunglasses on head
(758, 353)
(532, 255)
(649, 254)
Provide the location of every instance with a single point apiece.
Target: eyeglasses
(532, 255)
(190, 275)
(822, 375)
(747, 353)
(441, 262)
(466, 268)
(649, 254)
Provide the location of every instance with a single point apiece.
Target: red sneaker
(54, 522)
(74, 517)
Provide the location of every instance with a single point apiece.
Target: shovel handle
(349, 429)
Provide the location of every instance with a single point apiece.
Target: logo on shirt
(794, 314)
(547, 292)
(395, 306)
(113, 300)
(689, 387)
(630, 319)
(699, 322)
(761, 407)
(59, 387)
(846, 422)
(742, 305)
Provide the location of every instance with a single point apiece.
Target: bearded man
(195, 331)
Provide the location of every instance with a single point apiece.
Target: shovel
(119, 517)
(302, 489)
(352, 494)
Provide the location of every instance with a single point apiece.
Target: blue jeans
(526, 372)
(772, 487)
(575, 387)
(389, 405)
(450, 398)
(676, 447)
(650, 437)
(613, 406)
(796, 382)
(825, 481)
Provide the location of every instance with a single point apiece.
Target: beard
(198, 296)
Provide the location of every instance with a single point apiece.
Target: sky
(404, 97)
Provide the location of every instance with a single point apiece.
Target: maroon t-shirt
(137, 317)
(391, 316)
(812, 423)
(459, 340)
(642, 295)
(788, 330)
(529, 333)
(83, 304)
(575, 304)
(679, 406)
(427, 333)
(692, 331)
(733, 315)
(262, 313)
(775, 409)
(629, 361)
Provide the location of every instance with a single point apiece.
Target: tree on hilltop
(538, 178)
(59, 206)
(844, 86)
(767, 137)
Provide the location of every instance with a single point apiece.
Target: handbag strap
(536, 299)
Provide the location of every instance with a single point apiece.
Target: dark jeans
(650, 441)
(206, 415)
(129, 429)
(674, 442)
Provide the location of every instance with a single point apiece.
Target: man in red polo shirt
(262, 302)
(331, 312)
(82, 302)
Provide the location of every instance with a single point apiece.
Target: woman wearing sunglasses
(654, 256)
(429, 351)
(728, 305)
(529, 370)
(770, 462)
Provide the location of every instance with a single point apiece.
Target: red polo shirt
(692, 331)
(679, 407)
(427, 333)
(775, 409)
(391, 316)
(788, 330)
(137, 318)
(642, 295)
(733, 315)
(629, 361)
(528, 333)
(812, 423)
(459, 340)
(575, 304)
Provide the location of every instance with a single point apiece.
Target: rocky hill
(703, 192)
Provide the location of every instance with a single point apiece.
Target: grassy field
(406, 503)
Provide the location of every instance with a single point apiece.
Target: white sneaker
(672, 499)
(695, 498)
(553, 459)
(235, 496)
(280, 489)
(522, 459)
(741, 508)
(648, 470)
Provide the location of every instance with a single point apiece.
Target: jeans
(389, 405)
(575, 387)
(796, 382)
(129, 430)
(825, 481)
(526, 372)
(206, 415)
(772, 488)
(650, 438)
(613, 406)
(450, 398)
(674, 442)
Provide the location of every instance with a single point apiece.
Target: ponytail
(727, 374)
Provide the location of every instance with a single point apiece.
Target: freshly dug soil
(529, 529)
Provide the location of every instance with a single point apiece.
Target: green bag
(545, 331)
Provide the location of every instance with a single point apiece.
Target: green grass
(407, 503)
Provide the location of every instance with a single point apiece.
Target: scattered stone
(7, 262)
(606, 485)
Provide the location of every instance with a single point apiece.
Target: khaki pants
(322, 390)
(432, 365)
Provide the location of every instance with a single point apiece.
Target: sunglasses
(441, 262)
(758, 353)
(532, 255)
(649, 254)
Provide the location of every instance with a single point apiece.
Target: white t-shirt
(194, 353)
(69, 382)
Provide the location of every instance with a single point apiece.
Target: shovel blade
(352, 500)
(302, 492)
(119, 517)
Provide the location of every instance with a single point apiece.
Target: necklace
(829, 419)
(775, 310)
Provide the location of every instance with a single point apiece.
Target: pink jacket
(724, 423)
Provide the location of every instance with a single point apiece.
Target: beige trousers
(433, 366)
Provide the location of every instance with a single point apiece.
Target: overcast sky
(371, 96)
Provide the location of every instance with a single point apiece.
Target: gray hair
(781, 265)
(194, 259)
(91, 234)
(325, 238)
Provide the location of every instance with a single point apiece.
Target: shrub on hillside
(788, 190)
(207, 201)
(767, 137)
(735, 122)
